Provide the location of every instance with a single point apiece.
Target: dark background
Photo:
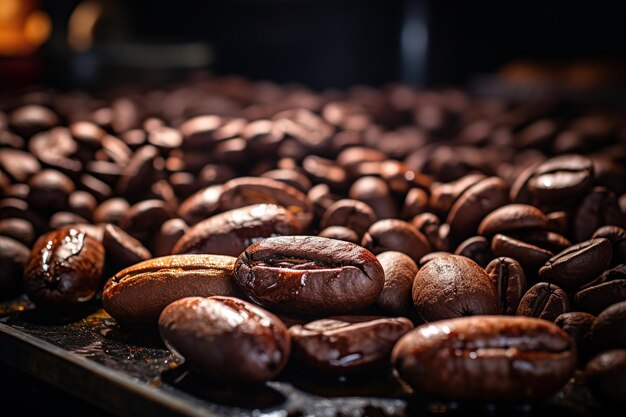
(337, 43)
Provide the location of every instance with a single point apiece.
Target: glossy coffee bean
(509, 281)
(82, 203)
(531, 257)
(201, 204)
(144, 219)
(443, 195)
(138, 294)
(430, 226)
(122, 249)
(140, 172)
(347, 344)
(617, 236)
(309, 275)
(578, 325)
(225, 338)
(49, 191)
(340, 233)
(544, 239)
(400, 271)
(543, 301)
(480, 358)
(453, 286)
(578, 264)
(609, 328)
(476, 248)
(13, 257)
(563, 178)
(18, 165)
(18, 229)
(322, 199)
(607, 375)
(594, 299)
(290, 177)
(375, 193)
(170, 232)
(231, 232)
(110, 211)
(513, 217)
(64, 218)
(396, 235)
(598, 208)
(416, 202)
(352, 214)
(326, 171)
(64, 268)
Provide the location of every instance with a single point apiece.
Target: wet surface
(139, 354)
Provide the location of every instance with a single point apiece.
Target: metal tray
(129, 372)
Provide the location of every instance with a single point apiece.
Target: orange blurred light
(23, 28)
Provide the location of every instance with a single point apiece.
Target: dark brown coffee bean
(400, 272)
(474, 204)
(56, 149)
(443, 195)
(476, 248)
(609, 328)
(226, 339)
(453, 286)
(396, 235)
(375, 193)
(49, 191)
(245, 191)
(231, 232)
(509, 281)
(31, 119)
(618, 272)
(416, 202)
(607, 375)
(64, 218)
(96, 231)
(531, 257)
(617, 236)
(83, 204)
(111, 210)
(165, 138)
(544, 239)
(347, 344)
(100, 190)
(198, 131)
(400, 178)
(171, 231)
(19, 209)
(201, 205)
(599, 208)
(430, 226)
(513, 217)
(544, 301)
(105, 171)
(352, 157)
(519, 189)
(352, 214)
(122, 249)
(140, 173)
(477, 358)
(144, 219)
(309, 275)
(558, 221)
(64, 268)
(430, 256)
(595, 299)
(322, 199)
(18, 229)
(578, 264)
(563, 178)
(13, 257)
(325, 171)
(19, 165)
(340, 233)
(578, 325)
(290, 177)
(138, 294)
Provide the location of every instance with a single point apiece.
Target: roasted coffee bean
(140, 172)
(309, 275)
(83, 204)
(453, 286)
(617, 236)
(325, 171)
(31, 119)
(400, 178)
(100, 190)
(340, 233)
(607, 375)
(13, 258)
(201, 205)
(509, 281)
(429, 257)
(558, 221)
(64, 269)
(480, 358)
(290, 177)
(416, 202)
(19, 191)
(19, 165)
(225, 338)
(198, 131)
(49, 191)
(170, 232)
(375, 193)
(231, 232)
(165, 138)
(598, 208)
(138, 294)
(111, 210)
(396, 235)
(609, 328)
(545, 239)
(578, 264)
(18, 229)
(352, 157)
(64, 218)
(476, 248)
(347, 344)
(578, 325)
(56, 149)
(443, 195)
(352, 214)
(122, 249)
(513, 217)
(594, 299)
(531, 257)
(322, 199)
(144, 219)
(400, 271)
(474, 204)
(618, 272)
(544, 301)
(246, 191)
(430, 226)
(15, 208)
(563, 178)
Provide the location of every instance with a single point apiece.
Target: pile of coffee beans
(259, 225)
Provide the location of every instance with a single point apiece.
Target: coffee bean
(170, 232)
(140, 172)
(18, 229)
(429, 257)
(19, 165)
(509, 281)
(562, 178)
(340, 233)
(617, 236)
(309, 275)
(609, 328)
(82, 203)
(400, 271)
(558, 221)
(375, 193)
(598, 208)
(475, 359)
(122, 249)
(144, 219)
(543, 301)
(513, 217)
(64, 268)
(476, 248)
(400, 178)
(416, 202)
(596, 298)
(322, 199)
(550, 241)
(607, 375)
(325, 171)
(396, 235)
(13, 258)
(352, 214)
(578, 325)
(531, 257)
(225, 338)
(578, 264)
(64, 218)
(347, 344)
(352, 157)
(201, 205)
(110, 211)
(30, 119)
(290, 177)
(453, 286)
(443, 195)
(231, 232)
(138, 294)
